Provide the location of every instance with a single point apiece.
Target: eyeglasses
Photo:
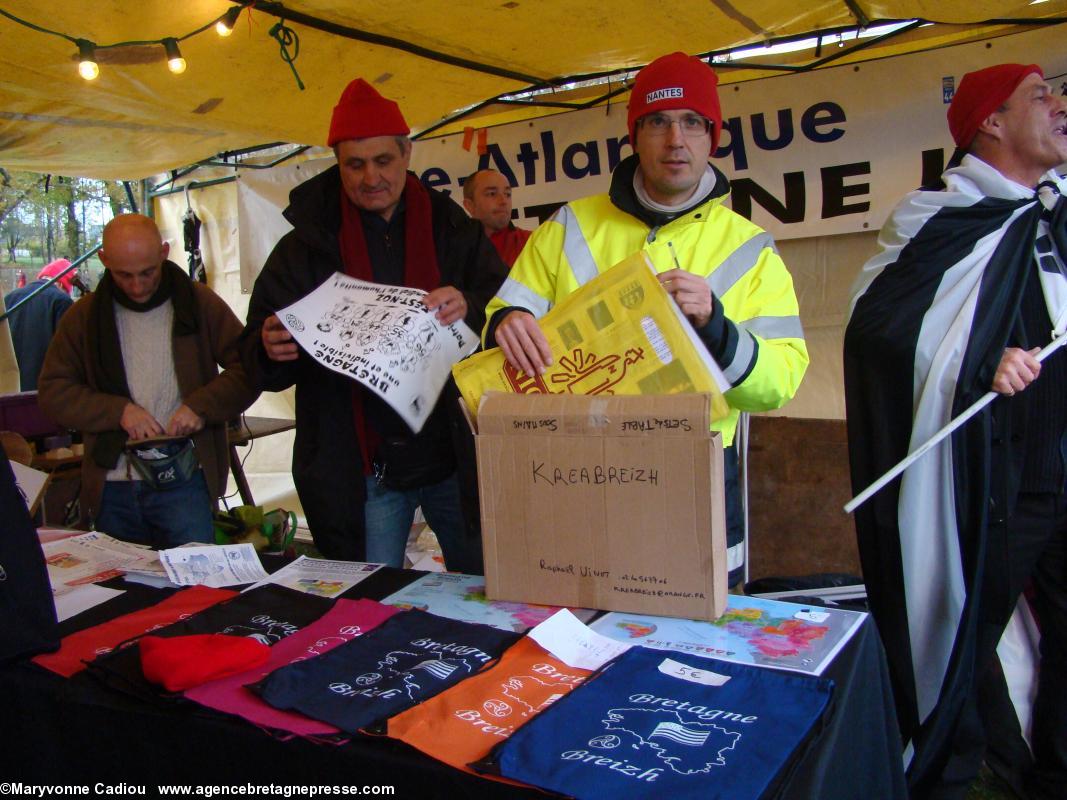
(691, 125)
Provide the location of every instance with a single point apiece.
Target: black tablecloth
(78, 731)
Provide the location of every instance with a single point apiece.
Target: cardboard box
(608, 502)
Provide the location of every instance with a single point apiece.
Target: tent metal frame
(539, 91)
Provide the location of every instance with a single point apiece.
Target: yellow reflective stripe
(785, 327)
(575, 247)
(514, 293)
(743, 355)
(740, 261)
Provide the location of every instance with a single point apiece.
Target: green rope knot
(287, 38)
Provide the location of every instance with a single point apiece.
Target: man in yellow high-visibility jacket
(731, 284)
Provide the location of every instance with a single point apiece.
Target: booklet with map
(766, 633)
(462, 597)
(320, 576)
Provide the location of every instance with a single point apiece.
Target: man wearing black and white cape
(969, 283)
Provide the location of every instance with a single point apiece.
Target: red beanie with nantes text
(980, 94)
(362, 112)
(672, 82)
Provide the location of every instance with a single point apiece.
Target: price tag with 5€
(676, 669)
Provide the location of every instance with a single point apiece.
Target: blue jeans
(135, 512)
(389, 514)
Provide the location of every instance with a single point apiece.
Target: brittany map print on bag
(654, 726)
(462, 724)
(407, 659)
(342, 623)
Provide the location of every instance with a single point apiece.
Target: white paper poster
(383, 337)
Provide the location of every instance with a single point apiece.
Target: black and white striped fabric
(930, 316)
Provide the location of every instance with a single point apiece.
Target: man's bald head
(133, 253)
(130, 231)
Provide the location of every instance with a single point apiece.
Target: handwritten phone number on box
(643, 578)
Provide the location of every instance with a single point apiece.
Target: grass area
(31, 266)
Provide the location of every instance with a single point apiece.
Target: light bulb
(175, 62)
(88, 70)
(87, 66)
(224, 27)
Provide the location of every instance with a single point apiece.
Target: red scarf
(420, 271)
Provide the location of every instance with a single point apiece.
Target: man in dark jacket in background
(36, 320)
(359, 470)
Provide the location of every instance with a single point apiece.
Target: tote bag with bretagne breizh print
(465, 722)
(654, 725)
(346, 620)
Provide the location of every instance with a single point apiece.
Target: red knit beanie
(182, 662)
(980, 94)
(676, 81)
(362, 112)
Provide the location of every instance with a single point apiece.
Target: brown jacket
(67, 389)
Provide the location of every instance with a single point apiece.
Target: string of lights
(89, 67)
(287, 38)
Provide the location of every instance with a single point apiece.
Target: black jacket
(32, 327)
(327, 464)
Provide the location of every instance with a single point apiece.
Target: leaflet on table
(213, 565)
(82, 598)
(383, 337)
(768, 633)
(86, 558)
(150, 571)
(620, 333)
(575, 644)
(462, 597)
(55, 534)
(30, 483)
(320, 576)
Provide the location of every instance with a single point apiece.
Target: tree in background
(55, 216)
(15, 187)
(13, 231)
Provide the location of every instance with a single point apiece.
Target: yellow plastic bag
(618, 334)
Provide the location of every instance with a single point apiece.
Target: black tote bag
(27, 611)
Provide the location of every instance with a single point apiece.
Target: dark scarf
(421, 271)
(105, 352)
(420, 255)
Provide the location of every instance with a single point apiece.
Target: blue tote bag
(656, 724)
